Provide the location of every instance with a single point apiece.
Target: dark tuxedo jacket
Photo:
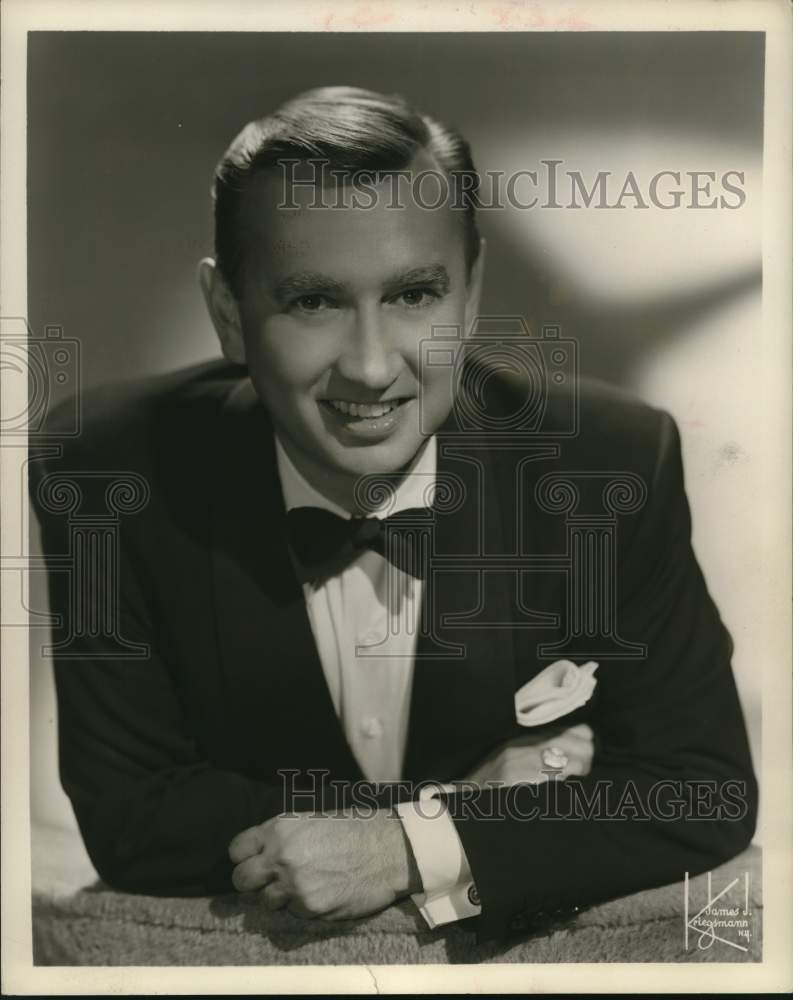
(166, 757)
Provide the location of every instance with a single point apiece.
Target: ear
(474, 290)
(223, 310)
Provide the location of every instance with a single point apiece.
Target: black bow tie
(324, 543)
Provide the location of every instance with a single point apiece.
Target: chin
(383, 458)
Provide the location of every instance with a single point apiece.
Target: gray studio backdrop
(124, 130)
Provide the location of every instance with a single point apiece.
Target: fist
(328, 867)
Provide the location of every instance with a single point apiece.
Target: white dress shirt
(365, 622)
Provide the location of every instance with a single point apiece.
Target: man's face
(335, 305)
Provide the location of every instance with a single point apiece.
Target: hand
(334, 867)
(519, 760)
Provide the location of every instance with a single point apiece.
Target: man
(299, 638)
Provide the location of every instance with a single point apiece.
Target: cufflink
(473, 896)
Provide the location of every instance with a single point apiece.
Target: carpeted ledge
(79, 921)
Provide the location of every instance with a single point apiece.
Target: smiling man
(308, 586)
(328, 307)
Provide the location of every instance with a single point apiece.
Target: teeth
(363, 409)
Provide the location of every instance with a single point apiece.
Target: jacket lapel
(463, 688)
(540, 539)
(279, 710)
(483, 625)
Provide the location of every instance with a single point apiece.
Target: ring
(554, 758)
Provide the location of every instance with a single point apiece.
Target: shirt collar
(417, 488)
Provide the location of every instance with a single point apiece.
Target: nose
(367, 358)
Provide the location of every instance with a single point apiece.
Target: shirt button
(473, 896)
(372, 728)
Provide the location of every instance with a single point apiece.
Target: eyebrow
(313, 283)
(305, 283)
(427, 274)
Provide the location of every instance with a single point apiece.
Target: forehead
(399, 230)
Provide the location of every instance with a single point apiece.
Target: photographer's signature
(725, 917)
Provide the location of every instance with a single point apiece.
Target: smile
(366, 423)
(364, 410)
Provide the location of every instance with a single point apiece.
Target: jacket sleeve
(155, 815)
(672, 787)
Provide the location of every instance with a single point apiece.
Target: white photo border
(775, 972)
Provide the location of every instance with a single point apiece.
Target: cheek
(450, 313)
(436, 393)
(434, 378)
(436, 387)
(286, 358)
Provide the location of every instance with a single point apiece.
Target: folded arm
(155, 815)
(669, 728)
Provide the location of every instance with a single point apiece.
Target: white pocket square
(556, 691)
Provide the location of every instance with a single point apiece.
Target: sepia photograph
(396, 446)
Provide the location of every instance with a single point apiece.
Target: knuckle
(302, 891)
(244, 882)
(289, 858)
(271, 899)
(312, 904)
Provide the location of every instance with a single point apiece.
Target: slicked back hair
(353, 130)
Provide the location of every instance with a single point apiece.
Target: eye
(311, 303)
(416, 298)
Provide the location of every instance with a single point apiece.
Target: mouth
(365, 420)
(365, 411)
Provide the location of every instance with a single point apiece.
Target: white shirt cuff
(449, 892)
